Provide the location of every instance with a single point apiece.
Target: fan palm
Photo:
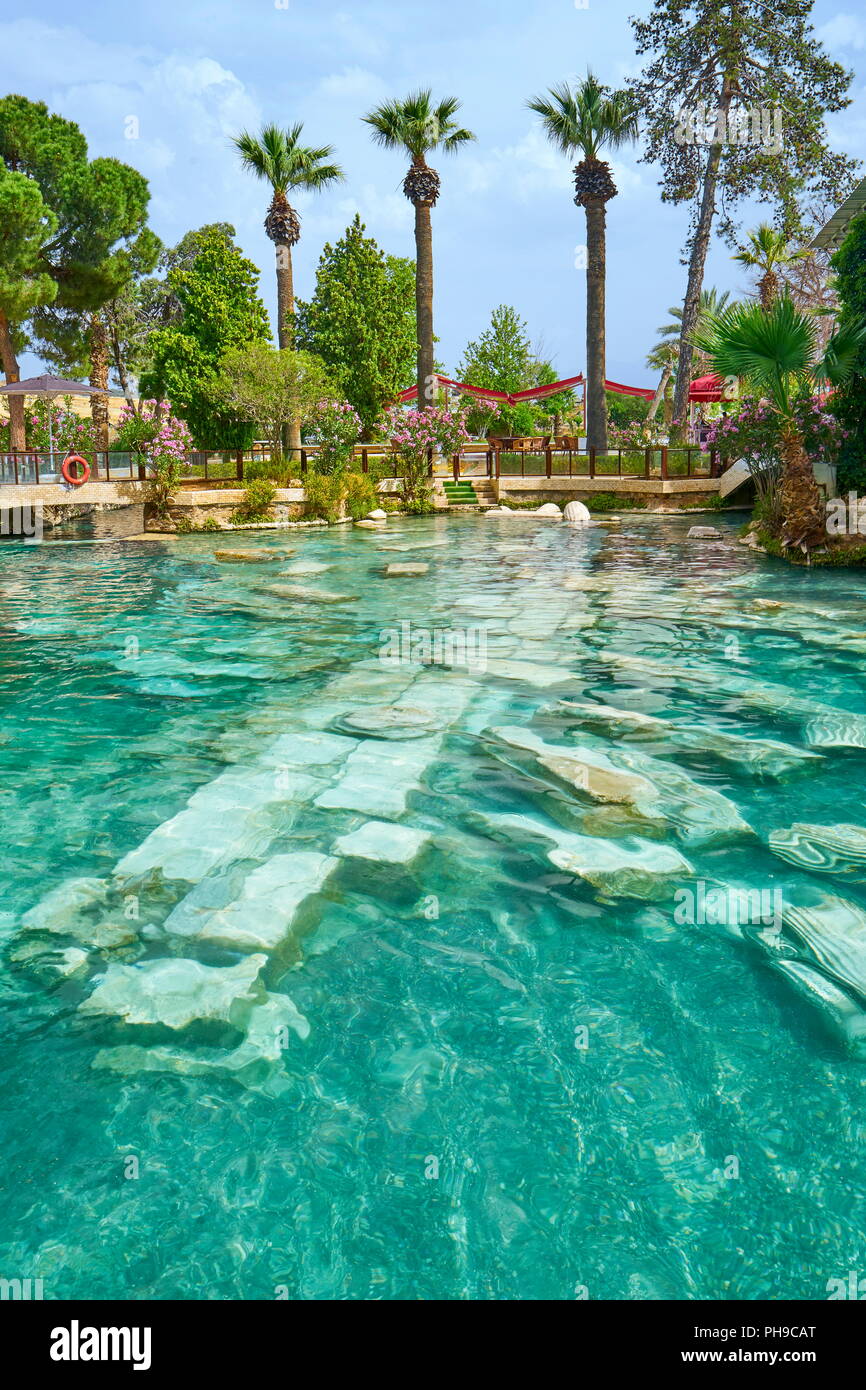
(775, 350)
(766, 250)
(586, 121)
(278, 157)
(664, 356)
(417, 127)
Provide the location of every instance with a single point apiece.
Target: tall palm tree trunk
(596, 401)
(803, 521)
(99, 379)
(424, 301)
(286, 332)
(698, 260)
(9, 362)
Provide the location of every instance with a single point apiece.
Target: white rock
(176, 992)
(702, 533)
(576, 511)
(300, 593)
(393, 571)
(266, 912)
(382, 841)
(629, 868)
(61, 905)
(377, 515)
(549, 509)
(370, 525)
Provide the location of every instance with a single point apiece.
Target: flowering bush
(752, 433)
(414, 433)
(153, 433)
(640, 434)
(161, 439)
(68, 430)
(336, 427)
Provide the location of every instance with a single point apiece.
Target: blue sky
(505, 230)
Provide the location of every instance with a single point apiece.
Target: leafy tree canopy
(849, 402)
(761, 60)
(269, 388)
(220, 309)
(361, 321)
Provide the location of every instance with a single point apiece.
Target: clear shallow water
(444, 999)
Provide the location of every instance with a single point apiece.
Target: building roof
(832, 234)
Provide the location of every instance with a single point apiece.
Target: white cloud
(843, 31)
(356, 85)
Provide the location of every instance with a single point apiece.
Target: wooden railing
(527, 458)
(501, 458)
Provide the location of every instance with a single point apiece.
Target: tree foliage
(220, 309)
(270, 388)
(361, 321)
(849, 402)
(761, 58)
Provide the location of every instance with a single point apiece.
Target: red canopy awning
(706, 388)
(535, 393)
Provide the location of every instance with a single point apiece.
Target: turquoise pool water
(520, 1064)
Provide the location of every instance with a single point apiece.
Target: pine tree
(734, 95)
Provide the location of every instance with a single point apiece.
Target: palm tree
(665, 355)
(418, 127)
(278, 157)
(776, 351)
(586, 121)
(767, 249)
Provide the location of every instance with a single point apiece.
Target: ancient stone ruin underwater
(339, 964)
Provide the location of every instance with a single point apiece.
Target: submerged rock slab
(266, 911)
(225, 819)
(177, 992)
(655, 791)
(407, 569)
(834, 932)
(383, 842)
(390, 721)
(248, 557)
(822, 848)
(761, 757)
(532, 673)
(824, 725)
(844, 1015)
(60, 909)
(628, 868)
(378, 776)
(300, 593)
(255, 1063)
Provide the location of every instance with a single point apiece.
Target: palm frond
(587, 118)
(278, 157)
(415, 125)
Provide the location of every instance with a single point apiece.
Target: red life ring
(69, 476)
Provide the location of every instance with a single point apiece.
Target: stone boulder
(576, 511)
(549, 509)
(245, 557)
(377, 515)
(703, 533)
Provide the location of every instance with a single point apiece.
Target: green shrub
(609, 502)
(324, 493)
(277, 469)
(361, 496)
(257, 502)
